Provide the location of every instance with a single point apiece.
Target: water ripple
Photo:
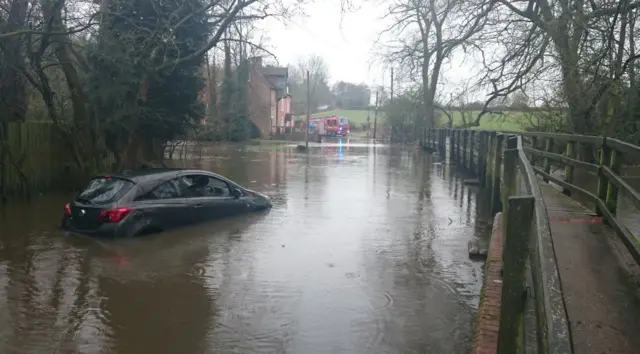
(364, 251)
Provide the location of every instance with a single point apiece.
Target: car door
(239, 201)
(165, 206)
(210, 197)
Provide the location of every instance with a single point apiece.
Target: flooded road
(364, 251)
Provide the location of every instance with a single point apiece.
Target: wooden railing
(562, 150)
(533, 317)
(610, 153)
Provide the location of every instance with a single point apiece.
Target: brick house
(269, 98)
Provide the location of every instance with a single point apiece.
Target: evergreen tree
(227, 106)
(212, 112)
(124, 94)
(239, 125)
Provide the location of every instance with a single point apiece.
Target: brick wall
(285, 106)
(485, 334)
(274, 109)
(261, 103)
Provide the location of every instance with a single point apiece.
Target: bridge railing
(533, 317)
(569, 152)
(563, 150)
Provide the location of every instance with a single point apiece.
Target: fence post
(434, 139)
(495, 183)
(465, 144)
(509, 179)
(454, 153)
(612, 189)
(450, 145)
(534, 146)
(548, 147)
(460, 161)
(452, 142)
(472, 153)
(485, 159)
(481, 154)
(514, 258)
(568, 169)
(454, 145)
(489, 159)
(605, 158)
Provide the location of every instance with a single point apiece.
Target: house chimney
(257, 62)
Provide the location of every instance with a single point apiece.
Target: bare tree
(584, 44)
(320, 93)
(428, 32)
(58, 36)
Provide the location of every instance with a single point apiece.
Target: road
(364, 251)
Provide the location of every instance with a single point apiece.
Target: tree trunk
(143, 151)
(89, 156)
(13, 96)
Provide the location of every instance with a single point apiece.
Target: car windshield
(103, 190)
(344, 121)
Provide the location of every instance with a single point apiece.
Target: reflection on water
(364, 251)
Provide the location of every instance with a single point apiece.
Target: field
(510, 121)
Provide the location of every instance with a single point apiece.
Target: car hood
(259, 195)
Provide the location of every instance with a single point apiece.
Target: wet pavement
(364, 251)
(597, 276)
(627, 212)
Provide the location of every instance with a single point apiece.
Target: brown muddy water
(364, 251)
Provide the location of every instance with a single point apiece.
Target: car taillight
(114, 215)
(67, 209)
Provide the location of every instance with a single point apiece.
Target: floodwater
(364, 251)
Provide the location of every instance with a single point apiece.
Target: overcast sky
(346, 49)
(346, 43)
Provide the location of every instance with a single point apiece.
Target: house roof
(272, 75)
(274, 71)
(277, 78)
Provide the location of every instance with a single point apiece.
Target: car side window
(206, 186)
(167, 190)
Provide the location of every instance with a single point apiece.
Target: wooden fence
(32, 158)
(611, 153)
(535, 320)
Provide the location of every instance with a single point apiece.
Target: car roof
(151, 175)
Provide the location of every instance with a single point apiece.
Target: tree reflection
(164, 302)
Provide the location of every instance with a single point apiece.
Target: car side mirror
(236, 192)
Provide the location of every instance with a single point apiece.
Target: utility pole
(375, 115)
(306, 130)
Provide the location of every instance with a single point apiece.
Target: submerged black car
(153, 200)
